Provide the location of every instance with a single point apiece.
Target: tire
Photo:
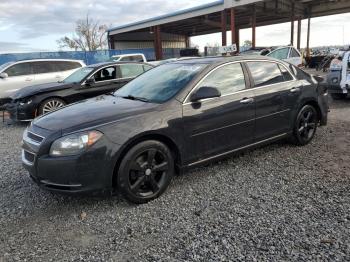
(305, 126)
(50, 104)
(137, 178)
(339, 96)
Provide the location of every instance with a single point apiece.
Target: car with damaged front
(173, 117)
(86, 82)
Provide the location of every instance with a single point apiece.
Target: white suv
(16, 75)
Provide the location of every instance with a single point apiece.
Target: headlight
(28, 102)
(74, 144)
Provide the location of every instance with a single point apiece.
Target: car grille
(28, 157)
(32, 138)
(35, 137)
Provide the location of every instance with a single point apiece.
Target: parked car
(288, 54)
(338, 77)
(257, 51)
(169, 60)
(129, 58)
(173, 117)
(17, 75)
(86, 82)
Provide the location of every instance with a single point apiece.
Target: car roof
(224, 59)
(103, 64)
(47, 59)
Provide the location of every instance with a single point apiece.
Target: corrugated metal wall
(122, 45)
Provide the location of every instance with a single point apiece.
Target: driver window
(106, 74)
(227, 79)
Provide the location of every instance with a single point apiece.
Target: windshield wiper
(136, 98)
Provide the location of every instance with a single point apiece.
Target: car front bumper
(20, 112)
(88, 172)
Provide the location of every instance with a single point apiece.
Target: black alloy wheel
(306, 125)
(145, 171)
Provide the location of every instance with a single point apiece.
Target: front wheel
(305, 125)
(50, 105)
(145, 171)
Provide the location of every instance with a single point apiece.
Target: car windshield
(78, 75)
(5, 65)
(161, 83)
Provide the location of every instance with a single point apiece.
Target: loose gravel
(277, 203)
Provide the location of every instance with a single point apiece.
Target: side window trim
(186, 101)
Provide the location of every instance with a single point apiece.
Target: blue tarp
(89, 57)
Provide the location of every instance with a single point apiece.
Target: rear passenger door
(218, 125)
(129, 71)
(276, 93)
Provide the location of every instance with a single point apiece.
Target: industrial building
(174, 30)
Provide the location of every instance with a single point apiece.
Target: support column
(233, 26)
(299, 33)
(187, 39)
(308, 37)
(158, 43)
(254, 27)
(292, 25)
(237, 39)
(223, 28)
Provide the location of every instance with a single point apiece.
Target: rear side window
(227, 79)
(66, 65)
(43, 67)
(299, 74)
(287, 76)
(131, 70)
(294, 53)
(20, 69)
(265, 73)
(280, 53)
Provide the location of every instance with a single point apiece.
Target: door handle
(247, 100)
(28, 79)
(295, 90)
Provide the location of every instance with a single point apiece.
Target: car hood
(92, 112)
(37, 89)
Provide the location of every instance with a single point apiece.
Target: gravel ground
(278, 203)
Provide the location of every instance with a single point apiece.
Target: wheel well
(161, 138)
(316, 106)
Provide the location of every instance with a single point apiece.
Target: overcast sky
(35, 25)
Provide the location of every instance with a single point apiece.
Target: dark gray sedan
(173, 117)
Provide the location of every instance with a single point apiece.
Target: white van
(129, 58)
(16, 75)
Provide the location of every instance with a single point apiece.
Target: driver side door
(218, 125)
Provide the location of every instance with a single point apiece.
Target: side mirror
(205, 92)
(89, 81)
(4, 75)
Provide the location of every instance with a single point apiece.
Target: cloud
(36, 18)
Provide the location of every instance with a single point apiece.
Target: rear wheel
(145, 171)
(305, 125)
(50, 105)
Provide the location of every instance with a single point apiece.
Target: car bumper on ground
(20, 112)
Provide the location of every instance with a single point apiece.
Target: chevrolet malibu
(173, 117)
